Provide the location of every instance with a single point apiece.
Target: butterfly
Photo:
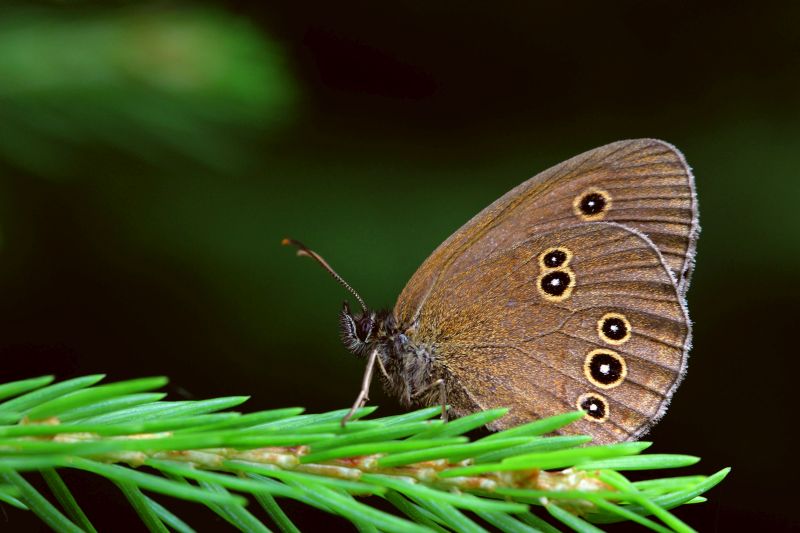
(568, 292)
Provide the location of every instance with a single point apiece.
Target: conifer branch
(435, 476)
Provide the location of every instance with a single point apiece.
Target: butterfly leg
(443, 398)
(363, 394)
(383, 369)
(442, 394)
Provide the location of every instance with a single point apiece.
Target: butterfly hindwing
(585, 312)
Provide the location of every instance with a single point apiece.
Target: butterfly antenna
(302, 250)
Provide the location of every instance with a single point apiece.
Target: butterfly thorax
(409, 368)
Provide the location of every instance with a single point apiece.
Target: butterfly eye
(595, 406)
(557, 285)
(364, 328)
(555, 257)
(614, 328)
(592, 204)
(604, 368)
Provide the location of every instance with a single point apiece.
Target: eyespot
(595, 406)
(604, 368)
(614, 328)
(556, 285)
(592, 204)
(555, 257)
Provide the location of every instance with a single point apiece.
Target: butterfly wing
(644, 184)
(502, 340)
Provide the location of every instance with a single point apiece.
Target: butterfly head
(358, 330)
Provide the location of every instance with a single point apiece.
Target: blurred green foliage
(152, 82)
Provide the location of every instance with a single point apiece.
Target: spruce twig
(430, 471)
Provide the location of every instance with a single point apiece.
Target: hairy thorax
(411, 369)
(408, 366)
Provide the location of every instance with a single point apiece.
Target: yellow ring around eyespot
(587, 371)
(595, 396)
(609, 340)
(576, 204)
(564, 249)
(564, 295)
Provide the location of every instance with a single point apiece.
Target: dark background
(151, 159)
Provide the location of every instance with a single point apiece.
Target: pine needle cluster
(434, 476)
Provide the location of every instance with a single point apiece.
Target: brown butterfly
(567, 292)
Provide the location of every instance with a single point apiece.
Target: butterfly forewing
(644, 184)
